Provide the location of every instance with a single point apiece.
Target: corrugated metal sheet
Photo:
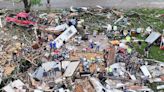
(153, 37)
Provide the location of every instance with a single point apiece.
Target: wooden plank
(31, 61)
(78, 88)
(8, 69)
(87, 55)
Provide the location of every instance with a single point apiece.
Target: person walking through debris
(146, 50)
(139, 44)
(95, 33)
(85, 65)
(129, 33)
(129, 50)
(48, 4)
(91, 44)
(122, 33)
(145, 80)
(102, 78)
(14, 55)
(73, 22)
(105, 56)
(97, 46)
(110, 71)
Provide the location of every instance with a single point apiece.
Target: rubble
(69, 52)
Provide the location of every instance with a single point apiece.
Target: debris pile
(76, 50)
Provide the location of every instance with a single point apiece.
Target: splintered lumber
(30, 60)
(92, 68)
(117, 13)
(8, 69)
(78, 88)
(87, 55)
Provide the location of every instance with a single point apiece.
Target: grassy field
(154, 53)
(148, 17)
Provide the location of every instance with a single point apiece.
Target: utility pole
(48, 5)
(1, 22)
(162, 39)
(13, 3)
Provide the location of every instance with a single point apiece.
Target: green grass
(154, 53)
(148, 17)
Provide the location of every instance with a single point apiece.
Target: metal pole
(13, 3)
(1, 22)
(162, 39)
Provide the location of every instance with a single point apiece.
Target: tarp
(71, 69)
(152, 37)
